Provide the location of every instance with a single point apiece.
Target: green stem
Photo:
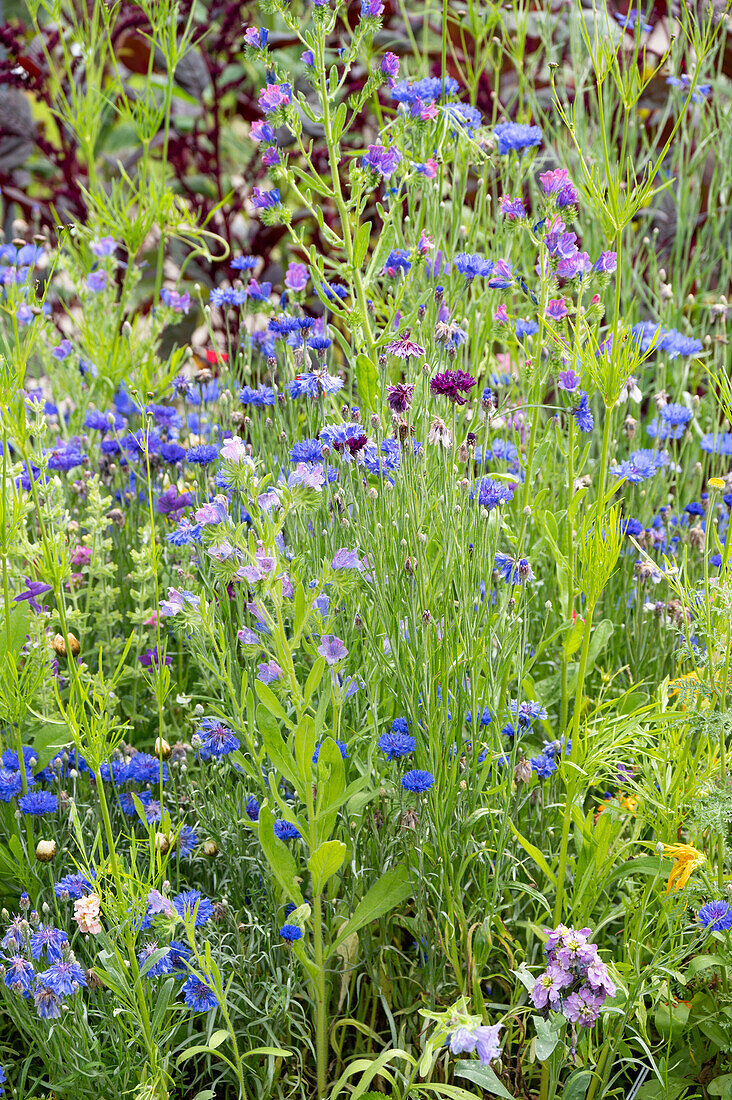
(572, 771)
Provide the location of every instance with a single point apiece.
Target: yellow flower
(716, 483)
(686, 859)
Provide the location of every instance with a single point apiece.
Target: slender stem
(571, 783)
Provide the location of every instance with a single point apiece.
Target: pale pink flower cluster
(86, 914)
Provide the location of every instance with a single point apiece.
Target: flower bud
(45, 850)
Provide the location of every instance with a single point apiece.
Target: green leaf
(47, 740)
(271, 702)
(533, 851)
(548, 1034)
(304, 745)
(276, 1052)
(721, 1086)
(483, 1076)
(361, 244)
(277, 748)
(576, 1085)
(278, 855)
(331, 780)
(325, 861)
(339, 121)
(367, 380)
(390, 890)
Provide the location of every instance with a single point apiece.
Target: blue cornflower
(383, 459)
(717, 443)
(52, 939)
(252, 808)
(190, 902)
(63, 978)
(544, 765)
(525, 328)
(641, 465)
(671, 424)
(291, 932)
(261, 396)
(513, 136)
(341, 745)
(417, 781)
(426, 90)
(397, 744)
(143, 768)
(187, 842)
(307, 450)
(400, 725)
(716, 916)
(465, 116)
(472, 265)
(10, 784)
(484, 717)
(3, 1079)
(528, 711)
(162, 966)
(218, 739)
(313, 384)
(72, 886)
(203, 454)
(199, 995)
(583, 414)
(38, 803)
(179, 953)
(491, 493)
(513, 571)
(244, 263)
(284, 830)
(65, 458)
(20, 974)
(48, 1004)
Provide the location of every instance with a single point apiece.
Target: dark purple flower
(399, 397)
(453, 384)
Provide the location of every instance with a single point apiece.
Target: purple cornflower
(399, 397)
(332, 648)
(452, 384)
(404, 348)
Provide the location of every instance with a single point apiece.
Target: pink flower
(86, 914)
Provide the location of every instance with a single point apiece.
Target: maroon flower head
(453, 384)
(399, 397)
